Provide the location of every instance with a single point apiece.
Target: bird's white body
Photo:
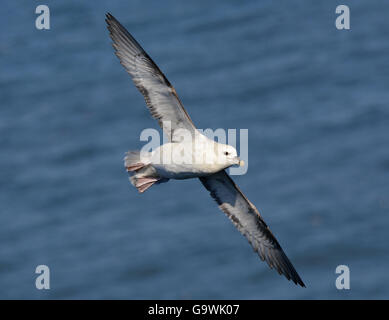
(193, 158)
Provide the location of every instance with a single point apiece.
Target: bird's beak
(239, 162)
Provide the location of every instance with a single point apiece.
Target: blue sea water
(313, 98)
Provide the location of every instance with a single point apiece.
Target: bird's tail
(136, 160)
(142, 173)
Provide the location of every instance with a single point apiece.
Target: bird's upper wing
(245, 216)
(160, 96)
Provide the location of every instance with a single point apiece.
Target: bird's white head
(228, 155)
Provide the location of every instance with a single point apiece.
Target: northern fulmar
(198, 157)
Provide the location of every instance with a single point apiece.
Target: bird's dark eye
(226, 153)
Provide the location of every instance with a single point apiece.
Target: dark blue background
(315, 102)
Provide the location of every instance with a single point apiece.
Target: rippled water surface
(314, 101)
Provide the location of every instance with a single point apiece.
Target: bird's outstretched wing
(160, 96)
(245, 216)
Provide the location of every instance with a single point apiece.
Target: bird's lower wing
(245, 216)
(160, 96)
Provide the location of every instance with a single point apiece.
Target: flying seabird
(148, 168)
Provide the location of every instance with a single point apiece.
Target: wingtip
(286, 268)
(294, 276)
(297, 280)
(109, 18)
(301, 284)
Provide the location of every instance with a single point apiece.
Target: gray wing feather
(160, 96)
(245, 216)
